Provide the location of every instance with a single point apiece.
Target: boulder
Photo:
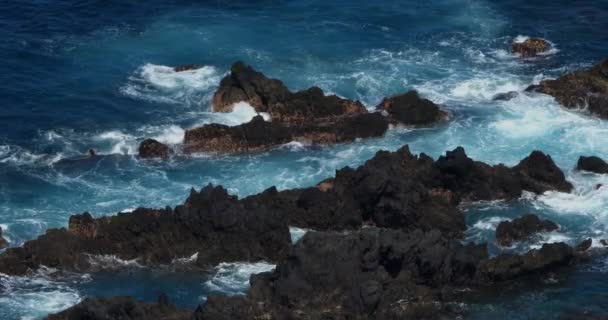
(151, 148)
(539, 173)
(531, 47)
(522, 228)
(592, 164)
(122, 308)
(410, 109)
(585, 90)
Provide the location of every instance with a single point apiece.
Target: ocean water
(76, 75)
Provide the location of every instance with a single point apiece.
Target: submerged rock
(410, 109)
(122, 308)
(522, 228)
(216, 226)
(506, 96)
(586, 90)
(187, 67)
(531, 47)
(592, 164)
(151, 148)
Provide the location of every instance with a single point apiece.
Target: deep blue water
(76, 75)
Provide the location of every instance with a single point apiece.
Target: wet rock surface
(378, 274)
(410, 109)
(151, 148)
(211, 223)
(585, 90)
(3, 242)
(522, 228)
(531, 47)
(592, 164)
(122, 308)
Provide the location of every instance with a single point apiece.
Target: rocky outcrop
(585, 90)
(539, 173)
(522, 228)
(3, 242)
(217, 226)
(151, 148)
(122, 308)
(531, 47)
(377, 274)
(410, 109)
(258, 134)
(592, 164)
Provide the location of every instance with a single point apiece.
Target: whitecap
(489, 223)
(111, 262)
(296, 233)
(242, 112)
(233, 278)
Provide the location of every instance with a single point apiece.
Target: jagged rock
(151, 148)
(258, 134)
(506, 96)
(217, 226)
(592, 164)
(122, 308)
(410, 109)
(3, 242)
(539, 174)
(585, 245)
(522, 228)
(272, 96)
(531, 47)
(377, 274)
(584, 89)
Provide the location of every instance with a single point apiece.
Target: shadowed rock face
(377, 274)
(151, 148)
(122, 308)
(410, 109)
(211, 223)
(3, 242)
(531, 47)
(592, 164)
(584, 89)
(522, 228)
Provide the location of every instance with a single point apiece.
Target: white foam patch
(521, 39)
(111, 262)
(489, 223)
(297, 233)
(163, 84)
(171, 135)
(233, 278)
(552, 237)
(242, 112)
(118, 143)
(186, 260)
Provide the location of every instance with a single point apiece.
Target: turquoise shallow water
(95, 74)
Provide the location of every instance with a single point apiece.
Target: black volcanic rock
(584, 89)
(522, 228)
(410, 109)
(539, 174)
(592, 164)
(377, 274)
(3, 242)
(531, 47)
(211, 223)
(151, 148)
(122, 308)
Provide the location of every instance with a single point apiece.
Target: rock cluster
(522, 228)
(586, 90)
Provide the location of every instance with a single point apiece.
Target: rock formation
(151, 148)
(410, 109)
(592, 164)
(522, 228)
(531, 47)
(585, 90)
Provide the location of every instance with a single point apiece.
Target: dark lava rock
(584, 89)
(531, 47)
(187, 67)
(539, 174)
(522, 228)
(585, 245)
(592, 164)
(151, 148)
(3, 242)
(122, 308)
(506, 96)
(410, 109)
(259, 135)
(217, 226)
(272, 96)
(377, 274)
